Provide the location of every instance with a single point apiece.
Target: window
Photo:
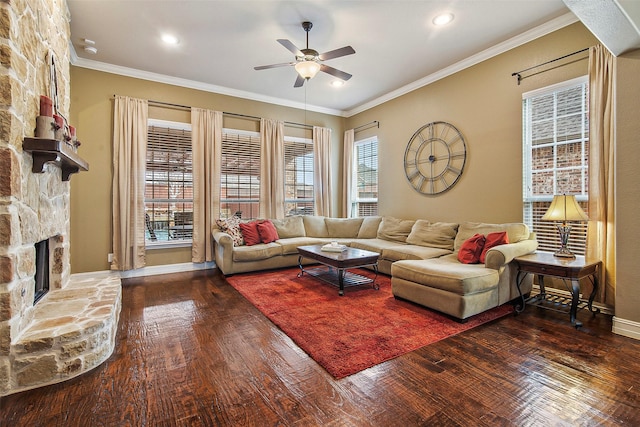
(365, 178)
(556, 148)
(168, 193)
(298, 176)
(240, 174)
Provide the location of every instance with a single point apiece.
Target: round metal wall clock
(435, 158)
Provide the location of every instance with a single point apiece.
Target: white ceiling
(397, 46)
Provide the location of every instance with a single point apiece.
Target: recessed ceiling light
(337, 83)
(443, 19)
(170, 39)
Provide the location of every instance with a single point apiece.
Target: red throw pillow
(493, 239)
(250, 233)
(268, 232)
(471, 249)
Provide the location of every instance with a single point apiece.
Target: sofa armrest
(223, 251)
(499, 256)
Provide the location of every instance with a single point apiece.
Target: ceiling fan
(308, 61)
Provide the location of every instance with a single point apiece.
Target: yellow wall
(627, 186)
(485, 103)
(92, 113)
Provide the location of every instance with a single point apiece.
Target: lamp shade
(307, 69)
(565, 208)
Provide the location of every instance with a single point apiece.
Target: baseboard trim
(626, 328)
(148, 271)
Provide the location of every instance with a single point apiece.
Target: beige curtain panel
(322, 170)
(206, 139)
(129, 157)
(601, 232)
(347, 173)
(271, 169)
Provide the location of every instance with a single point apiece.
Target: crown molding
(537, 32)
(192, 84)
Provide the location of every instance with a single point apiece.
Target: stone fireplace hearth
(72, 328)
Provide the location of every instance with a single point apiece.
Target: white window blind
(555, 155)
(240, 174)
(298, 171)
(168, 183)
(365, 179)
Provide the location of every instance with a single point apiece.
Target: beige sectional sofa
(420, 256)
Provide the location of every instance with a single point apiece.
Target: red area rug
(347, 334)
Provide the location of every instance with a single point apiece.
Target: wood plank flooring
(191, 351)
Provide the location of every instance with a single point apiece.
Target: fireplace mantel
(46, 150)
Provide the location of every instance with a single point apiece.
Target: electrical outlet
(110, 257)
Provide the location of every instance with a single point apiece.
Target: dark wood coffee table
(335, 266)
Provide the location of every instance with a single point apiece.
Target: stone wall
(34, 34)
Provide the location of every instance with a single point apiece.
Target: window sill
(167, 245)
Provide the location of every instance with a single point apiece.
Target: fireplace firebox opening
(42, 270)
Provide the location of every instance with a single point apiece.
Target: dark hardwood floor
(192, 351)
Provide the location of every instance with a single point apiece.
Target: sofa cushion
(394, 229)
(250, 233)
(256, 252)
(375, 245)
(267, 231)
(447, 274)
(516, 231)
(401, 252)
(492, 240)
(436, 235)
(343, 227)
(231, 226)
(369, 227)
(290, 245)
(289, 227)
(315, 226)
(471, 249)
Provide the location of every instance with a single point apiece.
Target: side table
(545, 264)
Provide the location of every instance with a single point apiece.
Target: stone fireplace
(72, 328)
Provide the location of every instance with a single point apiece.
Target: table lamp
(564, 208)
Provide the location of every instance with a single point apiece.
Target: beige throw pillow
(395, 229)
(314, 226)
(435, 235)
(289, 227)
(343, 227)
(369, 227)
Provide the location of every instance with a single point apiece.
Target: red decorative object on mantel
(46, 106)
(53, 126)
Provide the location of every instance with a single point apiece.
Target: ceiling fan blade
(334, 72)
(337, 53)
(290, 46)
(299, 81)
(265, 67)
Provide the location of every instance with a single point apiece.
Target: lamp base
(564, 253)
(564, 230)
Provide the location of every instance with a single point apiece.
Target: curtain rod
(367, 125)
(242, 116)
(519, 73)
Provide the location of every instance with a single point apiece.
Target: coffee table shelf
(335, 265)
(330, 275)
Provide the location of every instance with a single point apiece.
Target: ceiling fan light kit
(308, 62)
(307, 69)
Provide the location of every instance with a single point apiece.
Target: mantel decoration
(435, 158)
(564, 208)
(55, 140)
